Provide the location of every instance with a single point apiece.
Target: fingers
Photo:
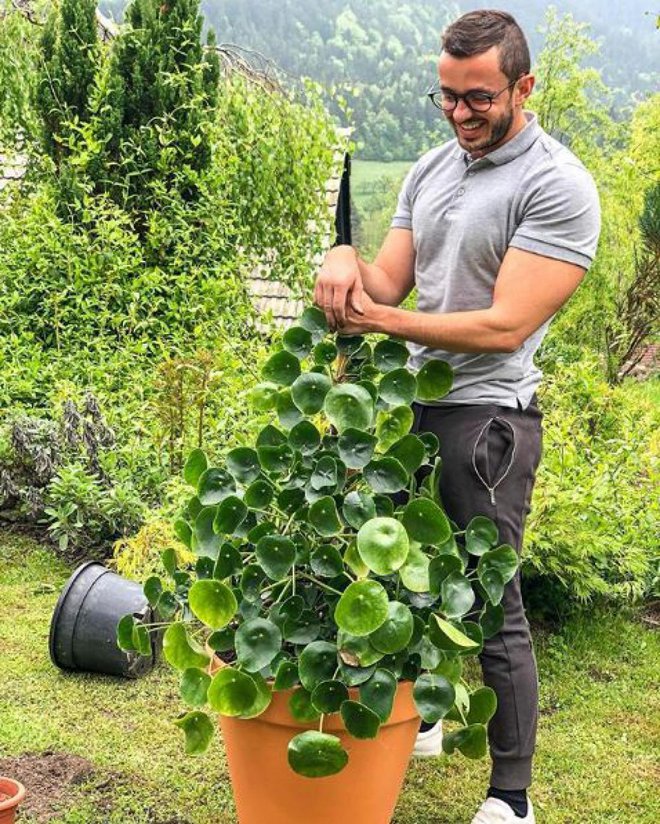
(356, 296)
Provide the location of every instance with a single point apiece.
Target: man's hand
(339, 285)
(369, 320)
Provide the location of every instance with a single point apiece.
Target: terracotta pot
(268, 791)
(16, 793)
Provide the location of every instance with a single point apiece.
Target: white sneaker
(496, 811)
(429, 743)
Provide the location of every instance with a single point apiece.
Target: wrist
(383, 319)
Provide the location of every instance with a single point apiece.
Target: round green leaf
(491, 619)
(290, 500)
(356, 651)
(324, 475)
(180, 651)
(275, 459)
(316, 754)
(349, 344)
(493, 584)
(386, 475)
(264, 396)
(301, 707)
(451, 668)
(483, 704)
(356, 447)
(325, 353)
(152, 589)
(414, 573)
(349, 406)
(397, 387)
(194, 467)
(125, 633)
(383, 545)
(229, 561)
(230, 515)
(362, 607)
(426, 522)
(258, 495)
(393, 425)
(358, 508)
(431, 443)
(205, 541)
(317, 663)
(263, 699)
(302, 630)
(440, 567)
(212, 602)
(446, 637)
(314, 321)
(243, 463)
(328, 696)
(286, 676)
(271, 436)
(281, 368)
(359, 720)
(409, 451)
(309, 391)
(434, 380)
(503, 560)
(480, 535)
(257, 642)
(198, 729)
(324, 518)
(474, 631)
(231, 692)
(183, 532)
(354, 562)
(378, 693)
(389, 355)
(434, 696)
(215, 485)
(222, 639)
(298, 341)
(194, 686)
(457, 595)
(276, 554)
(395, 633)
(326, 562)
(305, 437)
(472, 741)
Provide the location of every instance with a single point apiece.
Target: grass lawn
(598, 756)
(365, 172)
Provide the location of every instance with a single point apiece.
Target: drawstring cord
(491, 489)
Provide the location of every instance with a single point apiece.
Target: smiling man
(495, 229)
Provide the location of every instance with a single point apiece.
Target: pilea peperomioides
(326, 562)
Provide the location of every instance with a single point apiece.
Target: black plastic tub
(83, 630)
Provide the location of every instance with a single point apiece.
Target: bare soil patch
(47, 777)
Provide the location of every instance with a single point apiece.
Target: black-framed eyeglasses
(476, 101)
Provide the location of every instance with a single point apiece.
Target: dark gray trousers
(489, 459)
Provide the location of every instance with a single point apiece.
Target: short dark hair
(478, 31)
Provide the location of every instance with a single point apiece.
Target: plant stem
(321, 722)
(320, 583)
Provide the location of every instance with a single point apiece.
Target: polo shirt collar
(511, 149)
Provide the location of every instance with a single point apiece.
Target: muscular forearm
(378, 285)
(483, 330)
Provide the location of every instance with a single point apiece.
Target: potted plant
(332, 603)
(12, 792)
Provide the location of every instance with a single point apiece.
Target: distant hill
(386, 50)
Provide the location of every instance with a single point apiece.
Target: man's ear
(524, 89)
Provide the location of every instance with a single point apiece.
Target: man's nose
(463, 111)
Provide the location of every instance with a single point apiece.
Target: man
(496, 229)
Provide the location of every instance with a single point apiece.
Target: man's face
(480, 132)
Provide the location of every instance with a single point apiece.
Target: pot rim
(16, 798)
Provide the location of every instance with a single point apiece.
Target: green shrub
(592, 533)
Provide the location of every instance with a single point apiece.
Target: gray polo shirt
(532, 193)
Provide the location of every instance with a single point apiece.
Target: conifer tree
(69, 60)
(161, 91)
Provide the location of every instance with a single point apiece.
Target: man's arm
(344, 276)
(529, 289)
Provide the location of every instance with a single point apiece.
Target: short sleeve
(403, 215)
(561, 215)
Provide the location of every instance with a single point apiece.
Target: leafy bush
(593, 529)
(139, 556)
